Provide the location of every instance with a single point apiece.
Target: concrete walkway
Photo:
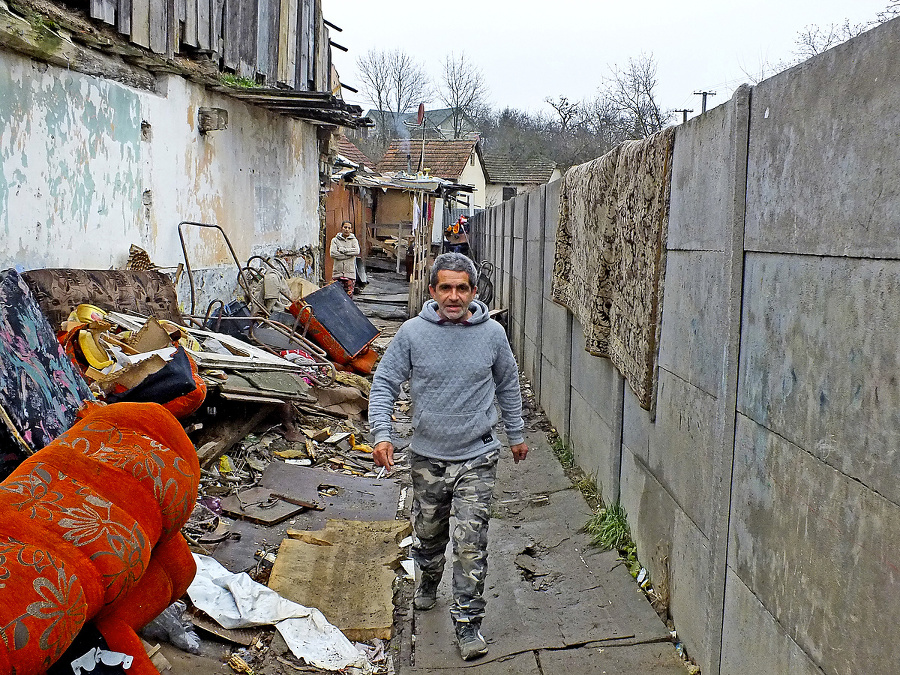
(555, 604)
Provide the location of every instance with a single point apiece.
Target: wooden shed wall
(273, 42)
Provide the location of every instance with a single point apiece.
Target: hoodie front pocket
(444, 430)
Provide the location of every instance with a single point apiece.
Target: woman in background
(344, 249)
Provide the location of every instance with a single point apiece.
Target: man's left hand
(519, 451)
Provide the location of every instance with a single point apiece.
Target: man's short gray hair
(453, 262)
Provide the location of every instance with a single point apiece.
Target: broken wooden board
(241, 636)
(346, 571)
(259, 505)
(349, 497)
(346, 498)
(229, 429)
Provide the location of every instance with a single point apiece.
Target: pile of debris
(289, 494)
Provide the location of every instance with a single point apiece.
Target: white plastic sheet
(236, 601)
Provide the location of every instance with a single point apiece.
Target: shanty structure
(398, 213)
(458, 161)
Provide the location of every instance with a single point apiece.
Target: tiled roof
(509, 170)
(446, 159)
(351, 152)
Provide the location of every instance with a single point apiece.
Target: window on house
(509, 193)
(472, 159)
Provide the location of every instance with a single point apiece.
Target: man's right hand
(383, 454)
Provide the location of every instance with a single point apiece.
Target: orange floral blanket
(90, 531)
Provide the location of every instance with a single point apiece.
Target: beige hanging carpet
(610, 254)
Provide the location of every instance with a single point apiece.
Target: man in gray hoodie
(456, 360)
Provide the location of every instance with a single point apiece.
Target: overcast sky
(528, 51)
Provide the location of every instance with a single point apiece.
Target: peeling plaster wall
(70, 167)
(89, 167)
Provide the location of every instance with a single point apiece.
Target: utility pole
(704, 94)
(684, 114)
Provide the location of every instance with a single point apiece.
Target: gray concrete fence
(763, 496)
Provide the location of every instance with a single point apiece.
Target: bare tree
(567, 111)
(462, 90)
(892, 10)
(395, 83)
(631, 92)
(410, 85)
(375, 75)
(814, 40)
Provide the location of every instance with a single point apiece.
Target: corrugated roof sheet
(446, 159)
(351, 152)
(508, 170)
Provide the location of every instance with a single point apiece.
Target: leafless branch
(462, 89)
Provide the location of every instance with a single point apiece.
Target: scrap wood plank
(123, 17)
(349, 578)
(140, 22)
(233, 428)
(241, 636)
(354, 497)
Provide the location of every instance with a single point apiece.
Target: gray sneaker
(426, 593)
(471, 642)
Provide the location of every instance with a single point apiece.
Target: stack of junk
(104, 380)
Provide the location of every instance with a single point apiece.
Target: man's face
(453, 294)
(346, 228)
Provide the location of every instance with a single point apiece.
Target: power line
(684, 113)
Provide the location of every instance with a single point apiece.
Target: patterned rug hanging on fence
(610, 254)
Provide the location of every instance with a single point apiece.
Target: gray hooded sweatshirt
(454, 371)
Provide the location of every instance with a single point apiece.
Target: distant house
(438, 124)
(459, 161)
(508, 177)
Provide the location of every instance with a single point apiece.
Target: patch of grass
(239, 82)
(610, 531)
(563, 452)
(589, 489)
(608, 528)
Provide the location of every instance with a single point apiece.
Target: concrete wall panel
(822, 176)
(637, 427)
(811, 544)
(593, 377)
(701, 190)
(681, 453)
(694, 316)
(753, 637)
(819, 360)
(672, 549)
(554, 396)
(557, 334)
(590, 438)
(517, 311)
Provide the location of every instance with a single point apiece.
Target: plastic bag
(170, 627)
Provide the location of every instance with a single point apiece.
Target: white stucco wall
(80, 182)
(474, 175)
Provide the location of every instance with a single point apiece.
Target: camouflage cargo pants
(463, 490)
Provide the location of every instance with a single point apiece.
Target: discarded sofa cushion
(149, 293)
(90, 530)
